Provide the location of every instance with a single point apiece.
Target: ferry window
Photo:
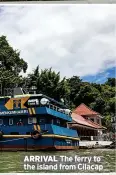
(34, 120)
(10, 121)
(1, 122)
(41, 121)
(98, 121)
(58, 121)
(92, 119)
(30, 120)
(20, 123)
(52, 121)
(69, 142)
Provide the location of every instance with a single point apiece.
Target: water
(13, 162)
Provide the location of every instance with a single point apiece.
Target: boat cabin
(30, 109)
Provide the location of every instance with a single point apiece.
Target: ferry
(35, 122)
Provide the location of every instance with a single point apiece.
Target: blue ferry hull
(57, 138)
(25, 144)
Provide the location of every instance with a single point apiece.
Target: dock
(94, 144)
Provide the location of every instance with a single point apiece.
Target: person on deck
(20, 123)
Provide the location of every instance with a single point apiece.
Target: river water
(13, 162)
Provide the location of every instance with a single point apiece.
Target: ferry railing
(96, 138)
(56, 108)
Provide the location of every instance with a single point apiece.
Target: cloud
(73, 39)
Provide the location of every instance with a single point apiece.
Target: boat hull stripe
(44, 136)
(22, 147)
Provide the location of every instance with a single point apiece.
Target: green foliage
(111, 82)
(10, 65)
(107, 122)
(75, 84)
(49, 82)
(10, 58)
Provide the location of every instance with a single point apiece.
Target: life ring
(36, 134)
(1, 134)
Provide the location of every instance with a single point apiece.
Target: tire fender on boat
(36, 134)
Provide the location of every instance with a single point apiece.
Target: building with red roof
(88, 113)
(82, 109)
(86, 121)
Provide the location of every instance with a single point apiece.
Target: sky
(75, 39)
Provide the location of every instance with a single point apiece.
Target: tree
(87, 94)
(75, 83)
(32, 78)
(10, 66)
(110, 106)
(10, 58)
(111, 82)
(97, 86)
(49, 83)
(98, 105)
(107, 122)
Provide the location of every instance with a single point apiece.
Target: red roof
(82, 109)
(80, 120)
